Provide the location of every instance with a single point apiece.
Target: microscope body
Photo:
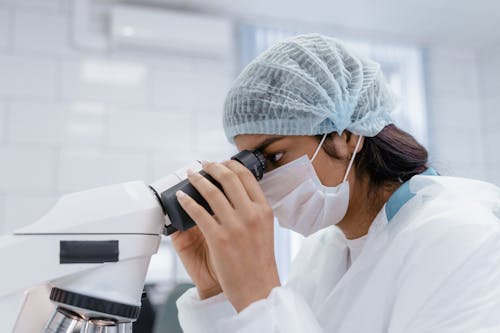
(85, 261)
(81, 267)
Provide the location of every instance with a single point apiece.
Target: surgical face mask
(299, 201)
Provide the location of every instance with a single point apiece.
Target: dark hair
(391, 156)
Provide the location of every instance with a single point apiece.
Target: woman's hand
(241, 239)
(192, 249)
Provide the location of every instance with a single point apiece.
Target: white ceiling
(462, 23)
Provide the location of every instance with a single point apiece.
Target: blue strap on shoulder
(402, 195)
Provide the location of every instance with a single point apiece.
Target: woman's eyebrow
(263, 145)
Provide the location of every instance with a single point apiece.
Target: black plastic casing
(180, 220)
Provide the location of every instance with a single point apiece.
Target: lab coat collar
(402, 195)
(378, 234)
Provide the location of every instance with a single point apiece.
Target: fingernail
(204, 162)
(189, 172)
(180, 195)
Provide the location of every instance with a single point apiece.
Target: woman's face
(280, 150)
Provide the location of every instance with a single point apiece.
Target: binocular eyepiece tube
(180, 220)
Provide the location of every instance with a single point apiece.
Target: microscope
(81, 267)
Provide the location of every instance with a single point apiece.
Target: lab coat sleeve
(196, 315)
(286, 309)
(282, 311)
(468, 300)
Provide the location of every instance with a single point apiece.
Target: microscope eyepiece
(180, 220)
(252, 160)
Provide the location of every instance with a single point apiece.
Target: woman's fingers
(214, 197)
(198, 213)
(231, 183)
(240, 237)
(248, 180)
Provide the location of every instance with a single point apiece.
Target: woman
(391, 246)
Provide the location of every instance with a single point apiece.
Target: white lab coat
(433, 267)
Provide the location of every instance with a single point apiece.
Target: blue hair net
(308, 85)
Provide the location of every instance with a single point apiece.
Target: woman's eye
(275, 158)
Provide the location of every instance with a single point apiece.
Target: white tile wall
(41, 31)
(166, 88)
(27, 169)
(457, 136)
(150, 130)
(489, 87)
(458, 146)
(490, 107)
(35, 4)
(464, 111)
(452, 72)
(2, 215)
(489, 71)
(208, 135)
(196, 86)
(3, 125)
(84, 169)
(55, 124)
(28, 76)
(4, 28)
(458, 112)
(492, 160)
(73, 119)
(455, 122)
(101, 79)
